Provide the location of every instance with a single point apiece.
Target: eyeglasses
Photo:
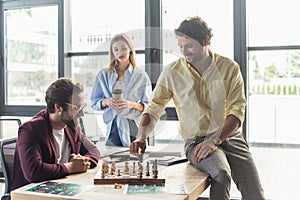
(76, 108)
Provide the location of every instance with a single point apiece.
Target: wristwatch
(217, 141)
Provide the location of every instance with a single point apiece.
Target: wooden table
(195, 180)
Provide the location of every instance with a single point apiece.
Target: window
(274, 71)
(218, 18)
(92, 30)
(272, 23)
(217, 15)
(31, 53)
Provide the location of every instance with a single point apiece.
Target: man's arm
(37, 162)
(146, 127)
(208, 146)
(235, 104)
(231, 124)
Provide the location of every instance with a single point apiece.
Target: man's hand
(77, 164)
(138, 146)
(204, 149)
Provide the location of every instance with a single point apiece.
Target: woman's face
(121, 51)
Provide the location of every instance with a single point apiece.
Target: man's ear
(58, 108)
(206, 42)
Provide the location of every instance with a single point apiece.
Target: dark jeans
(114, 138)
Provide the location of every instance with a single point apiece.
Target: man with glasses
(51, 145)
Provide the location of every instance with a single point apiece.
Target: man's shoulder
(176, 63)
(220, 59)
(38, 121)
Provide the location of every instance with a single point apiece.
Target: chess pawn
(126, 170)
(154, 169)
(133, 168)
(155, 174)
(119, 172)
(140, 172)
(112, 168)
(105, 166)
(140, 167)
(147, 169)
(103, 173)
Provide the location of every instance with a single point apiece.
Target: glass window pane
(273, 23)
(95, 22)
(31, 53)
(219, 18)
(274, 96)
(85, 69)
(104, 21)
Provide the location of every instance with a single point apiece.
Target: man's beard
(73, 123)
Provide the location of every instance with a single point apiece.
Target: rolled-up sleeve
(236, 101)
(161, 95)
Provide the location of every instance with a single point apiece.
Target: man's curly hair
(195, 28)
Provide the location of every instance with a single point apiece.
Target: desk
(195, 180)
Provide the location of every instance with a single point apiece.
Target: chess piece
(140, 166)
(112, 168)
(105, 166)
(140, 172)
(118, 186)
(102, 173)
(126, 170)
(141, 158)
(133, 169)
(154, 169)
(119, 172)
(147, 169)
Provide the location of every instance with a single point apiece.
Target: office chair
(8, 125)
(7, 148)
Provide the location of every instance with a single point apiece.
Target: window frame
(152, 19)
(26, 110)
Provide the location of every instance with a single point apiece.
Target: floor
(279, 173)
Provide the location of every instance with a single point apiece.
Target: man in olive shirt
(208, 93)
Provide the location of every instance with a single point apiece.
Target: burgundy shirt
(36, 157)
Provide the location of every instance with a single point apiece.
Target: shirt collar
(129, 69)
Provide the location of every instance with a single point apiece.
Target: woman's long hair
(112, 60)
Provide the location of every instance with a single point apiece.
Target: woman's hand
(123, 104)
(117, 104)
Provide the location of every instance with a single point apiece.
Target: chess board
(126, 178)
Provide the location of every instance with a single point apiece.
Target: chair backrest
(9, 127)
(7, 153)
